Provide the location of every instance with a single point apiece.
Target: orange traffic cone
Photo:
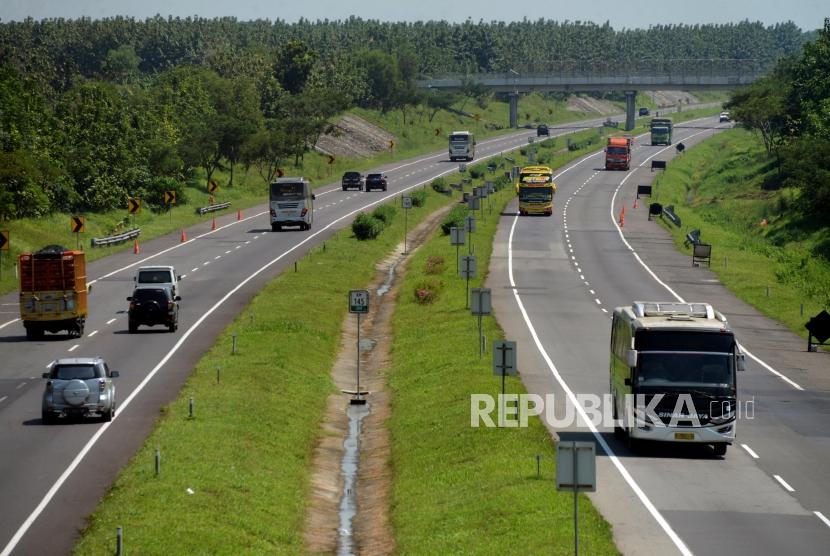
(239, 215)
(622, 217)
(184, 236)
(213, 225)
(635, 202)
(136, 249)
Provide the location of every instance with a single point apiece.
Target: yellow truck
(53, 291)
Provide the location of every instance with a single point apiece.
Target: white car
(724, 117)
(158, 275)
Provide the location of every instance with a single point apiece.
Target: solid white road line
(784, 483)
(818, 514)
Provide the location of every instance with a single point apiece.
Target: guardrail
(112, 240)
(213, 208)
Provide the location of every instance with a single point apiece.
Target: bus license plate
(684, 436)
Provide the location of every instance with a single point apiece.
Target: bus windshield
(535, 194)
(459, 139)
(687, 369)
(287, 191)
(535, 179)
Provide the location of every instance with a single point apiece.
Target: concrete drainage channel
(348, 510)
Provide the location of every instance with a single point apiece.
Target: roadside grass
(717, 187)
(246, 454)
(458, 489)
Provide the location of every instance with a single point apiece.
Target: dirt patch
(590, 105)
(371, 529)
(354, 137)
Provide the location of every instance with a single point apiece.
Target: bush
(476, 173)
(501, 182)
(427, 291)
(434, 265)
(366, 226)
(439, 185)
(455, 219)
(419, 198)
(385, 213)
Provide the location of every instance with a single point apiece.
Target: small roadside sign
(332, 159)
(462, 168)
(169, 197)
(213, 187)
(437, 131)
(504, 358)
(280, 172)
(391, 145)
(133, 205)
(474, 203)
(480, 303)
(5, 242)
(359, 301)
(456, 235)
(76, 224)
(406, 202)
(576, 466)
(470, 224)
(468, 267)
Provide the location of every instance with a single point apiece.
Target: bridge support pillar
(630, 99)
(514, 109)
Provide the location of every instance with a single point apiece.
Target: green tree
(293, 65)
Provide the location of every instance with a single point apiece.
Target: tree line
(790, 110)
(93, 111)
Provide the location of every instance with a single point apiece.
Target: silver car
(79, 386)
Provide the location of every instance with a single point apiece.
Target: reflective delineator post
(213, 225)
(184, 236)
(136, 248)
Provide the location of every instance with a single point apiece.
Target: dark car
(644, 111)
(375, 181)
(542, 130)
(152, 305)
(352, 180)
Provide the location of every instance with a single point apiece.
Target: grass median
(459, 489)
(246, 454)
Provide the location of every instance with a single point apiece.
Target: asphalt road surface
(556, 282)
(51, 477)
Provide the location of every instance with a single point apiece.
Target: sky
(807, 14)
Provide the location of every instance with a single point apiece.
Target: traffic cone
(622, 217)
(213, 225)
(635, 202)
(239, 215)
(184, 236)
(136, 249)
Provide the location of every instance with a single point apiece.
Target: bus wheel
(720, 449)
(634, 444)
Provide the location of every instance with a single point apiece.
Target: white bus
(291, 202)
(673, 374)
(462, 145)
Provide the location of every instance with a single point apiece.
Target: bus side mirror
(741, 360)
(313, 197)
(632, 358)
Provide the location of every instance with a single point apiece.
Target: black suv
(542, 130)
(352, 180)
(151, 305)
(375, 181)
(644, 111)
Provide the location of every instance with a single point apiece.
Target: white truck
(158, 275)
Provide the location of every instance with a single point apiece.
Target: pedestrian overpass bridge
(583, 76)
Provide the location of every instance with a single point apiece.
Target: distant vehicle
(291, 203)
(618, 153)
(159, 276)
(462, 145)
(542, 130)
(644, 111)
(724, 117)
(661, 131)
(352, 180)
(680, 361)
(53, 291)
(376, 181)
(78, 386)
(610, 123)
(151, 305)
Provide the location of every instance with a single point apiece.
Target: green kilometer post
(359, 305)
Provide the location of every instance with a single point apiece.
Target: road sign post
(470, 228)
(468, 271)
(576, 470)
(359, 305)
(480, 305)
(457, 239)
(406, 203)
(76, 224)
(504, 364)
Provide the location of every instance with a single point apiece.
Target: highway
(51, 477)
(555, 283)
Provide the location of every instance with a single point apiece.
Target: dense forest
(790, 110)
(93, 111)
